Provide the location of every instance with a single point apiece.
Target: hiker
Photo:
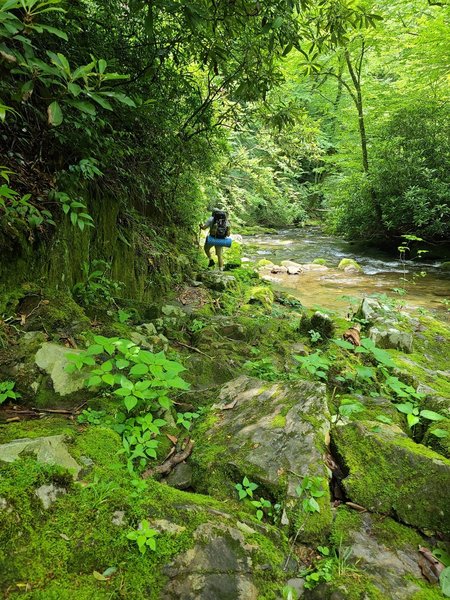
(219, 228)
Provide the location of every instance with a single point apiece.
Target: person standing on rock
(219, 229)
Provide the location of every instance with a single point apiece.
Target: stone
(49, 450)
(118, 518)
(291, 263)
(389, 473)
(372, 309)
(52, 359)
(48, 494)
(314, 267)
(298, 584)
(218, 567)
(217, 280)
(181, 476)
(349, 265)
(87, 466)
(323, 324)
(149, 328)
(392, 338)
(260, 294)
(294, 270)
(140, 340)
(278, 269)
(275, 434)
(165, 526)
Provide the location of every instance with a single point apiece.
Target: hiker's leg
(207, 249)
(219, 252)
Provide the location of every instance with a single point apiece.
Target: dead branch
(171, 462)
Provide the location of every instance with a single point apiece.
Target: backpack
(220, 227)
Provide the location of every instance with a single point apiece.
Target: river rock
(294, 270)
(273, 433)
(392, 338)
(50, 450)
(275, 269)
(52, 359)
(291, 263)
(389, 473)
(314, 267)
(218, 567)
(349, 266)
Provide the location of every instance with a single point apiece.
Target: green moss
(260, 294)
(345, 522)
(391, 473)
(349, 262)
(314, 527)
(278, 422)
(393, 534)
(52, 425)
(439, 444)
(356, 585)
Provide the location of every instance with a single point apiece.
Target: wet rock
(294, 270)
(49, 450)
(218, 567)
(278, 269)
(392, 338)
(314, 267)
(349, 266)
(181, 476)
(52, 359)
(389, 473)
(48, 494)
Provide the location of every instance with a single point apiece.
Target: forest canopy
(282, 111)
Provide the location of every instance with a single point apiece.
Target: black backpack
(220, 228)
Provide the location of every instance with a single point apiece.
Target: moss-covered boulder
(260, 294)
(274, 434)
(53, 359)
(392, 338)
(389, 473)
(349, 266)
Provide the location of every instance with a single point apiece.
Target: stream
(336, 290)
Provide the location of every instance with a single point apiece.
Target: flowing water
(335, 289)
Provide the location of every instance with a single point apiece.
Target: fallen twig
(192, 348)
(171, 462)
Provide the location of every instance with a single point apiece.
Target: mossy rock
(389, 473)
(321, 261)
(274, 434)
(260, 294)
(348, 264)
(439, 441)
(264, 263)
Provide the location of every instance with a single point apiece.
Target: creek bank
(242, 348)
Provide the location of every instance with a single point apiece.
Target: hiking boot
(211, 263)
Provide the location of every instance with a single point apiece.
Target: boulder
(219, 566)
(314, 267)
(389, 473)
(392, 338)
(291, 263)
(273, 433)
(278, 269)
(349, 266)
(217, 280)
(294, 270)
(50, 450)
(52, 359)
(48, 494)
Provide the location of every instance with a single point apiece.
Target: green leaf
(102, 64)
(431, 415)
(444, 580)
(439, 433)
(83, 106)
(383, 419)
(94, 350)
(412, 420)
(130, 402)
(55, 115)
(139, 369)
(405, 408)
(109, 379)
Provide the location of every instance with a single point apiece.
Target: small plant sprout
(185, 419)
(266, 508)
(314, 336)
(7, 391)
(310, 489)
(144, 536)
(246, 488)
